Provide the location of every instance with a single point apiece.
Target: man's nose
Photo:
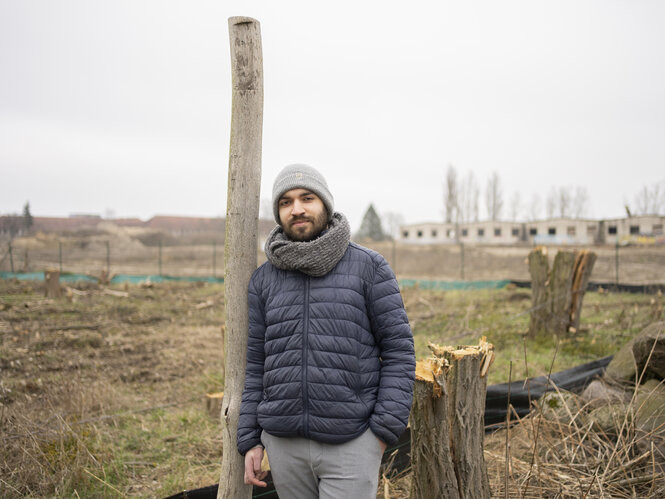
(297, 208)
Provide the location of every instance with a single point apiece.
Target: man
(330, 358)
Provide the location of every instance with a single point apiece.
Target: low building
(645, 229)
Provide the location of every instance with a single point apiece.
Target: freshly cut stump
(447, 423)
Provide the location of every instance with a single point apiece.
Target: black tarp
(496, 405)
(647, 289)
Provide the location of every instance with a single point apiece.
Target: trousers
(306, 469)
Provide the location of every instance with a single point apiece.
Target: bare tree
(650, 200)
(515, 206)
(467, 205)
(393, 221)
(450, 195)
(580, 201)
(535, 206)
(564, 199)
(551, 203)
(494, 196)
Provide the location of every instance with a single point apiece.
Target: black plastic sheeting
(647, 289)
(522, 393)
(525, 391)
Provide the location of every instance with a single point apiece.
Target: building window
(657, 229)
(612, 229)
(433, 233)
(515, 231)
(533, 231)
(481, 232)
(420, 233)
(634, 229)
(591, 230)
(551, 231)
(465, 232)
(405, 234)
(571, 230)
(497, 232)
(449, 232)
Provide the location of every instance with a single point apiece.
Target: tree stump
(557, 294)
(447, 428)
(431, 459)
(52, 282)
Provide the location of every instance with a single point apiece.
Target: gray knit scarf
(316, 257)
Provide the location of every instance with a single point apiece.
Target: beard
(307, 231)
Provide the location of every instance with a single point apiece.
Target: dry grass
(545, 458)
(104, 396)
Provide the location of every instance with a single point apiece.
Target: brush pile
(607, 442)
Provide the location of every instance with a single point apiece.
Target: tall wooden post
(241, 234)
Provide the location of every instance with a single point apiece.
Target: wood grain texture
(240, 251)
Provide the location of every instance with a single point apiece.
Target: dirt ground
(107, 378)
(103, 391)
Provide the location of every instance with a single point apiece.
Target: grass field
(103, 395)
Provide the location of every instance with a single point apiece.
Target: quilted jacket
(327, 356)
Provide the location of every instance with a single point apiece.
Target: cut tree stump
(52, 282)
(447, 429)
(431, 459)
(557, 294)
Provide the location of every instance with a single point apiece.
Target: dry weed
(545, 458)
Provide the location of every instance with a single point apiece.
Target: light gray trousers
(306, 469)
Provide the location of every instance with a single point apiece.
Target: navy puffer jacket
(327, 356)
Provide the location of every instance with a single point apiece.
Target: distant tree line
(17, 224)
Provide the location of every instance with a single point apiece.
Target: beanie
(301, 177)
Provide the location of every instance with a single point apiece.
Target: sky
(122, 108)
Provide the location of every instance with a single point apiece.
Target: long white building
(645, 229)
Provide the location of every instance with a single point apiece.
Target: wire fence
(94, 255)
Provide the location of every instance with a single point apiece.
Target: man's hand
(253, 473)
(383, 445)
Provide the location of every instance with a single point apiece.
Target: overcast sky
(123, 107)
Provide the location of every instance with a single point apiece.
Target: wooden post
(11, 257)
(240, 256)
(447, 428)
(557, 294)
(52, 282)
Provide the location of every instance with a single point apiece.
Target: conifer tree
(370, 228)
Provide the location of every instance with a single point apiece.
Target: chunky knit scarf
(316, 257)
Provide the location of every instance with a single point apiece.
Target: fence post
(159, 258)
(214, 258)
(11, 257)
(108, 259)
(616, 264)
(60, 255)
(461, 250)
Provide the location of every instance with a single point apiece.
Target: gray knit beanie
(301, 177)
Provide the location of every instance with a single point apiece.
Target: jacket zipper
(305, 395)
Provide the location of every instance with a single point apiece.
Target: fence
(93, 257)
(615, 264)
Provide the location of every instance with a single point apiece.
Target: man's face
(302, 214)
